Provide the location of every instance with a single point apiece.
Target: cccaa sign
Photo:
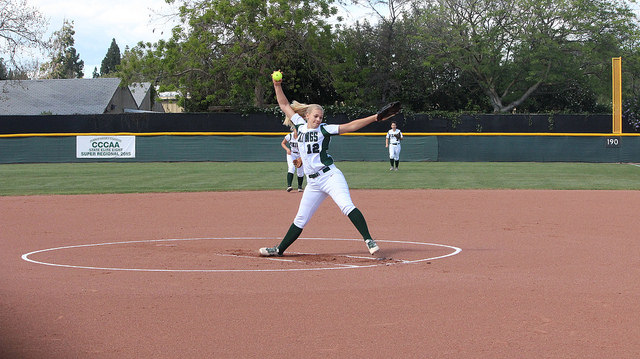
(105, 146)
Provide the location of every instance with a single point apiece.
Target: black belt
(394, 143)
(323, 170)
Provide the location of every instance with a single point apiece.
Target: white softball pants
(291, 168)
(394, 152)
(331, 183)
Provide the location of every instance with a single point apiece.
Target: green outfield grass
(76, 178)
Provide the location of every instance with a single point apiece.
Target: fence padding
(235, 122)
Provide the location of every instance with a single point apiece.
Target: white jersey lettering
(293, 143)
(313, 144)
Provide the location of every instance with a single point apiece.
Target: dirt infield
(540, 274)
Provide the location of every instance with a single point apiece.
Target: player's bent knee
(300, 222)
(347, 209)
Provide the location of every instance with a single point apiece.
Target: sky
(97, 22)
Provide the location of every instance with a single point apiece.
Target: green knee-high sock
(358, 220)
(300, 179)
(397, 163)
(289, 179)
(391, 161)
(292, 234)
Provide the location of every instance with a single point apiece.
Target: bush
(631, 112)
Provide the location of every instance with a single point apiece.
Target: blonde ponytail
(301, 109)
(287, 122)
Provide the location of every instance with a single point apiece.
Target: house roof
(139, 91)
(57, 96)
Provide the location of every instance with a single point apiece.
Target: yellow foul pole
(616, 65)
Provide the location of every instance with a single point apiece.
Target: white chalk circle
(331, 266)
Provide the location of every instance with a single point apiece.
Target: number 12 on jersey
(313, 148)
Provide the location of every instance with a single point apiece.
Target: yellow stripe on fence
(285, 133)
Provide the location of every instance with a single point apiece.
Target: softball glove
(389, 110)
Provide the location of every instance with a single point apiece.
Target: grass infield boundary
(146, 177)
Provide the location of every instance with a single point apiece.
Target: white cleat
(373, 247)
(269, 252)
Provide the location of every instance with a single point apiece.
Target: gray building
(145, 99)
(65, 97)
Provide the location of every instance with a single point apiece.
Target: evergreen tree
(17, 75)
(111, 59)
(4, 74)
(65, 61)
(95, 73)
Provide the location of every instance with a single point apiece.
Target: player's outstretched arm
(282, 99)
(385, 113)
(355, 125)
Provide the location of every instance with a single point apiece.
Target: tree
(65, 61)
(4, 73)
(513, 48)
(424, 84)
(224, 52)
(18, 74)
(21, 30)
(385, 44)
(375, 63)
(353, 64)
(95, 73)
(111, 59)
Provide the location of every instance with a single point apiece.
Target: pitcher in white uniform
(323, 177)
(392, 141)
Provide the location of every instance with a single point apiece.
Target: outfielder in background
(323, 177)
(394, 136)
(292, 154)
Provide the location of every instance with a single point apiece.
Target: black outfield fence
(236, 122)
(511, 123)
